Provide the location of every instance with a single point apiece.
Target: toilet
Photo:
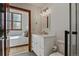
(55, 52)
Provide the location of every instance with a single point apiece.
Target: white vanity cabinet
(42, 44)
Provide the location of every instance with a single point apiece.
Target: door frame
(25, 10)
(5, 5)
(67, 46)
(70, 32)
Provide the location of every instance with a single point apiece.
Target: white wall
(59, 22)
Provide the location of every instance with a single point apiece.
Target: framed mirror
(46, 18)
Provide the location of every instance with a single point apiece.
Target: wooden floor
(18, 50)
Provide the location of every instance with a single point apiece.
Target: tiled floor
(18, 50)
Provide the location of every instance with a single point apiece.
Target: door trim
(70, 6)
(68, 49)
(76, 25)
(68, 45)
(4, 7)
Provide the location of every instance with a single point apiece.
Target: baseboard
(20, 45)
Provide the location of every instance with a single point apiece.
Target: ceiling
(38, 4)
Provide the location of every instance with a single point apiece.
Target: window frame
(11, 20)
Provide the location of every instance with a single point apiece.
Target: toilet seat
(56, 54)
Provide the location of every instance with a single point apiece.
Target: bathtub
(18, 40)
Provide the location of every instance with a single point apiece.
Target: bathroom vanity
(42, 44)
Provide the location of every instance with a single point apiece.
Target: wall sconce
(45, 12)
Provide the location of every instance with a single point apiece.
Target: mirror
(46, 17)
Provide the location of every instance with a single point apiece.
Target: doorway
(72, 38)
(25, 31)
(8, 25)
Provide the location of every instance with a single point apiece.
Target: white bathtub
(18, 40)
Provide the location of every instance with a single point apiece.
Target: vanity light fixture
(45, 12)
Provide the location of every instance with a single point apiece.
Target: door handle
(66, 42)
(74, 32)
(4, 37)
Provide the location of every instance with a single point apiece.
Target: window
(15, 21)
